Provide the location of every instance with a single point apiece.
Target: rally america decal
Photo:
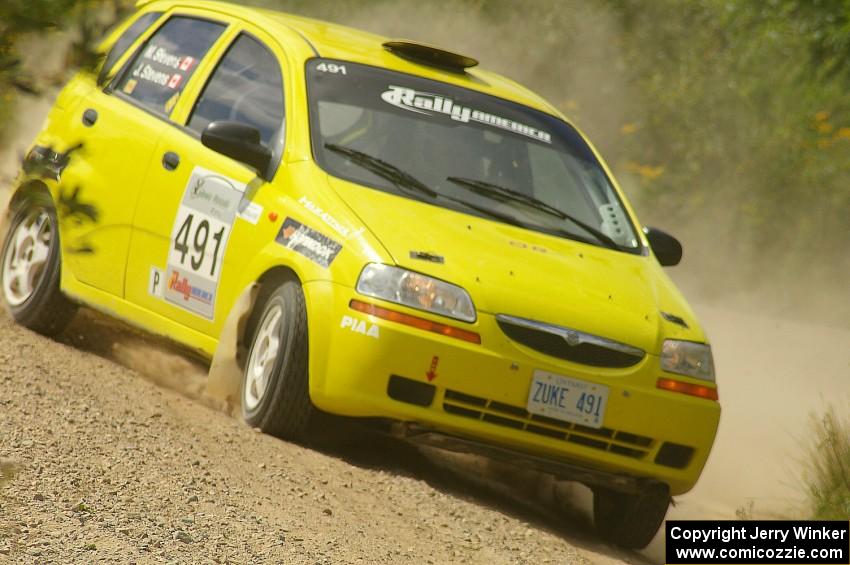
(430, 104)
(199, 239)
(314, 245)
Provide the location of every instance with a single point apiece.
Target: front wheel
(275, 388)
(30, 270)
(630, 520)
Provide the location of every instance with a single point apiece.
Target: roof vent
(430, 55)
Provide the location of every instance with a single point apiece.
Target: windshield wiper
(490, 189)
(383, 169)
(403, 179)
(497, 192)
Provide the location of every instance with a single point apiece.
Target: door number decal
(199, 239)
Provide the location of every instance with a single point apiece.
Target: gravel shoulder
(113, 467)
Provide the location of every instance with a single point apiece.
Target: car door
(114, 137)
(193, 215)
(110, 142)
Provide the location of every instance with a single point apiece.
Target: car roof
(335, 41)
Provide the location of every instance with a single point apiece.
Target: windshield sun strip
(318, 152)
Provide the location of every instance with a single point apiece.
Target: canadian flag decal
(186, 63)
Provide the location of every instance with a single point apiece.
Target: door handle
(170, 161)
(89, 117)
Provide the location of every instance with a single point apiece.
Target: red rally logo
(182, 286)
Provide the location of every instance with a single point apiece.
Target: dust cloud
(155, 359)
(773, 375)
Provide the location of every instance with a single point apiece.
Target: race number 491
(198, 243)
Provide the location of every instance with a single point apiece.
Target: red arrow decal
(432, 372)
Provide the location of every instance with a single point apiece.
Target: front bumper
(480, 392)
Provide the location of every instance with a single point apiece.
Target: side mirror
(238, 141)
(667, 248)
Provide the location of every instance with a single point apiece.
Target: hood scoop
(429, 55)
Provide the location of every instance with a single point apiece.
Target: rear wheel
(275, 388)
(630, 520)
(30, 269)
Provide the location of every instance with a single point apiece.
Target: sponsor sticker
(199, 240)
(332, 222)
(435, 104)
(190, 288)
(310, 243)
(360, 327)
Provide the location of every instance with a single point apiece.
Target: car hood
(510, 270)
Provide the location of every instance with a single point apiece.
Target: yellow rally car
(430, 244)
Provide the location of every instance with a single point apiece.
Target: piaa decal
(360, 327)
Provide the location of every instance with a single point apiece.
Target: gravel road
(111, 452)
(112, 467)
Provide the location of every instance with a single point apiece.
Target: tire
(30, 288)
(275, 393)
(630, 520)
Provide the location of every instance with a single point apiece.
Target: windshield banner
(429, 104)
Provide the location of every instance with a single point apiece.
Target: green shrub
(828, 468)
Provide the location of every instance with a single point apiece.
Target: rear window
(130, 35)
(165, 63)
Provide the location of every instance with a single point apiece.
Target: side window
(130, 35)
(163, 66)
(246, 87)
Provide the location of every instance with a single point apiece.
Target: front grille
(509, 416)
(550, 342)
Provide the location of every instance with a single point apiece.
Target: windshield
(464, 150)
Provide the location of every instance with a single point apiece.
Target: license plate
(564, 398)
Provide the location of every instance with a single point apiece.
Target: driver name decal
(427, 103)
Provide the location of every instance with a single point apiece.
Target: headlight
(688, 358)
(417, 291)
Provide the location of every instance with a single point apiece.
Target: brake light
(687, 388)
(415, 321)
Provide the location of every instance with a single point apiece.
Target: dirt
(113, 451)
(111, 466)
